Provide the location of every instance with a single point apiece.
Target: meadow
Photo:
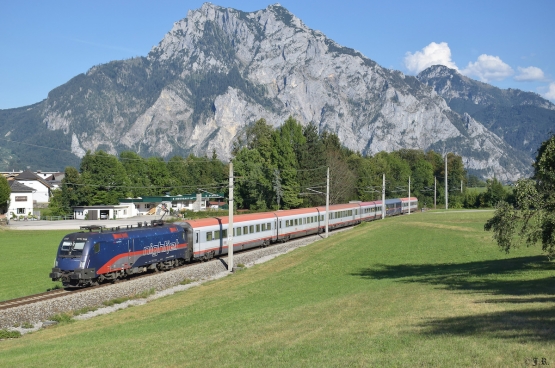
(27, 259)
(430, 289)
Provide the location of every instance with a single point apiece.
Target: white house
(104, 212)
(42, 190)
(21, 200)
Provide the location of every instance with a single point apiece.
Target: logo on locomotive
(155, 249)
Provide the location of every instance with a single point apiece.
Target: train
(97, 255)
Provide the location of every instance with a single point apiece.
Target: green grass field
(430, 289)
(27, 259)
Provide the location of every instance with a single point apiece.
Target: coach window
(251, 229)
(268, 226)
(296, 222)
(217, 234)
(263, 227)
(239, 231)
(209, 236)
(224, 233)
(245, 230)
(258, 228)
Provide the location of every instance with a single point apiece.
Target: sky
(510, 44)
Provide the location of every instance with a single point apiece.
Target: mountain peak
(437, 71)
(220, 69)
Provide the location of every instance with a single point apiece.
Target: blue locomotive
(100, 255)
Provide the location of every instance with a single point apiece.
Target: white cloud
(433, 54)
(550, 94)
(488, 68)
(529, 74)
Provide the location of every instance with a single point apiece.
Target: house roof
(29, 175)
(17, 187)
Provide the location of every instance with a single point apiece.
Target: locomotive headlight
(55, 263)
(82, 264)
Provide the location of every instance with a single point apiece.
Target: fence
(57, 218)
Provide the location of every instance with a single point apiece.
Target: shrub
(62, 318)
(5, 334)
(187, 281)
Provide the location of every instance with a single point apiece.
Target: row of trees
(285, 166)
(273, 168)
(103, 178)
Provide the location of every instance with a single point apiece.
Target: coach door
(196, 242)
(130, 256)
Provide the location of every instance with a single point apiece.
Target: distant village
(31, 192)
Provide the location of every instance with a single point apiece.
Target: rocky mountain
(219, 70)
(522, 119)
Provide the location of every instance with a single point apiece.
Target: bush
(62, 318)
(5, 334)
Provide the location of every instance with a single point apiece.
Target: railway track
(7, 304)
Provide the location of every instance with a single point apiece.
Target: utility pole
(446, 187)
(383, 197)
(230, 222)
(435, 191)
(327, 202)
(277, 186)
(409, 195)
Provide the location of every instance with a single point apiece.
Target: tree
(494, 193)
(137, 171)
(259, 137)
(531, 219)
(285, 160)
(312, 165)
(5, 191)
(104, 178)
(159, 175)
(253, 188)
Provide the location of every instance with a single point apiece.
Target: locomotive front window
(71, 249)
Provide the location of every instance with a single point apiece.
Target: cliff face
(522, 119)
(219, 70)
